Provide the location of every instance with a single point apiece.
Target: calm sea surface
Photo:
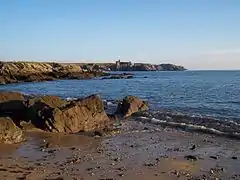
(209, 93)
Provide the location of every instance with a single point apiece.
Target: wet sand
(137, 151)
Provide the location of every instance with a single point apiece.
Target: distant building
(123, 66)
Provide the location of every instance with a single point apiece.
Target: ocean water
(205, 93)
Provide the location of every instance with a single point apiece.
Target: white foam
(109, 103)
(70, 99)
(190, 127)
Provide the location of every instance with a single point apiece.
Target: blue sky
(199, 34)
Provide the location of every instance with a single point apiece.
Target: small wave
(190, 127)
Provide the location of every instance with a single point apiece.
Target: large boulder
(9, 132)
(82, 115)
(131, 105)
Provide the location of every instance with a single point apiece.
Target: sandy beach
(135, 151)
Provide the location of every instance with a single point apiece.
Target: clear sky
(199, 34)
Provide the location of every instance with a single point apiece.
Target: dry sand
(140, 151)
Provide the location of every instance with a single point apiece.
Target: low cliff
(135, 67)
(14, 72)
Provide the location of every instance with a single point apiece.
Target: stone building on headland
(123, 66)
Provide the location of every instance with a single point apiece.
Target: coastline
(17, 72)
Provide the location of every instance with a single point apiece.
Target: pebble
(213, 157)
(191, 157)
(89, 169)
(193, 147)
(149, 164)
(116, 159)
(121, 169)
(121, 174)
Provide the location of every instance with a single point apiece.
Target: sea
(209, 94)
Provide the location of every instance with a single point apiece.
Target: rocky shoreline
(16, 72)
(19, 113)
(46, 137)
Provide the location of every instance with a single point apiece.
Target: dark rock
(21, 178)
(234, 157)
(98, 133)
(11, 102)
(119, 76)
(131, 105)
(149, 164)
(9, 132)
(89, 169)
(213, 157)
(121, 169)
(121, 174)
(57, 178)
(117, 159)
(193, 147)
(191, 157)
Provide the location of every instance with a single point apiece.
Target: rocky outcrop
(152, 67)
(128, 66)
(82, 115)
(25, 68)
(9, 132)
(131, 105)
(54, 114)
(169, 67)
(50, 113)
(14, 72)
